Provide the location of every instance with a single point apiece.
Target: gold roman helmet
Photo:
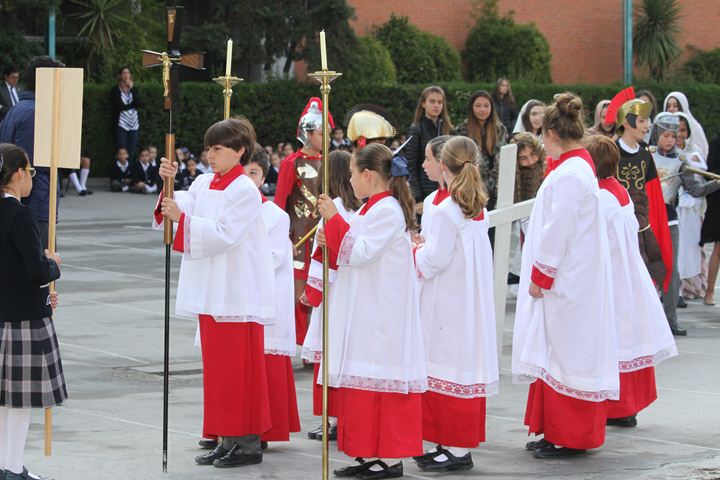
(367, 122)
(635, 107)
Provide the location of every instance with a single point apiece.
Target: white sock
(457, 451)
(150, 189)
(84, 174)
(436, 448)
(16, 430)
(388, 461)
(76, 182)
(125, 188)
(332, 421)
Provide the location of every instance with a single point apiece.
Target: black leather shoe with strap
(450, 464)
(394, 471)
(352, 470)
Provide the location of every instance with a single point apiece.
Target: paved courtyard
(110, 328)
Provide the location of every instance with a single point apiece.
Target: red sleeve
(335, 231)
(313, 295)
(179, 241)
(659, 225)
(157, 213)
(286, 181)
(540, 279)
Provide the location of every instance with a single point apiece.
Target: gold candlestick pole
(325, 77)
(227, 82)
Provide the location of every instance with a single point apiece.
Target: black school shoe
(451, 464)
(627, 422)
(208, 444)
(394, 471)
(551, 451)
(235, 458)
(312, 434)
(537, 444)
(439, 450)
(25, 475)
(208, 459)
(352, 470)
(332, 433)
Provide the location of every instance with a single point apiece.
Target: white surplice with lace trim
(312, 345)
(643, 333)
(227, 266)
(456, 304)
(375, 333)
(567, 338)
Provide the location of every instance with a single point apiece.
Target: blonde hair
(565, 117)
(460, 156)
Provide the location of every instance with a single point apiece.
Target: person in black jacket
(31, 373)
(431, 120)
(126, 101)
(145, 176)
(120, 173)
(505, 104)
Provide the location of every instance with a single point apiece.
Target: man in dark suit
(8, 90)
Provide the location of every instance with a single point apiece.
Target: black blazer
(119, 105)
(25, 271)
(5, 100)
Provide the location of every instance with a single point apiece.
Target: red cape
(287, 178)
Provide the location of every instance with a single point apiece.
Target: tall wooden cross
(505, 213)
(172, 61)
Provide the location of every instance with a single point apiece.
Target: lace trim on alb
(186, 235)
(346, 247)
(242, 319)
(546, 269)
(379, 384)
(453, 389)
(315, 283)
(280, 351)
(533, 373)
(646, 361)
(311, 355)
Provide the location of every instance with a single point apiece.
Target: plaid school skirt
(31, 374)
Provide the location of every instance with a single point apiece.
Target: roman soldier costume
(368, 123)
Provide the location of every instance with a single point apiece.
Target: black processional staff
(172, 61)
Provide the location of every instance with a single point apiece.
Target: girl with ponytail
(457, 313)
(376, 357)
(564, 340)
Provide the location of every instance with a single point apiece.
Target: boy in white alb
(227, 279)
(279, 337)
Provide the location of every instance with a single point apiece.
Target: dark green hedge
(274, 108)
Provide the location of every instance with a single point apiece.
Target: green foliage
(100, 23)
(655, 37)
(374, 64)
(704, 67)
(419, 57)
(15, 50)
(497, 46)
(275, 121)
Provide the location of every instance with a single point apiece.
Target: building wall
(585, 36)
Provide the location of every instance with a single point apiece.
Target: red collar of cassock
(578, 152)
(373, 200)
(612, 185)
(441, 195)
(221, 182)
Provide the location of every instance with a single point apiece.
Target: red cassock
(283, 401)
(637, 392)
(581, 425)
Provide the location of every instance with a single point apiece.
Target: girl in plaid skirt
(31, 373)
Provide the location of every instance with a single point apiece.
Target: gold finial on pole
(325, 77)
(227, 81)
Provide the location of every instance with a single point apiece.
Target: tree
(419, 57)
(100, 24)
(704, 66)
(655, 36)
(496, 46)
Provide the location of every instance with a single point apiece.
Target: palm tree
(102, 21)
(655, 37)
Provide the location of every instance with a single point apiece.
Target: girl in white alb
(376, 357)
(457, 312)
(643, 334)
(346, 203)
(564, 339)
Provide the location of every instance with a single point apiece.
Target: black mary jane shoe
(332, 433)
(263, 445)
(627, 422)
(537, 444)
(551, 451)
(394, 471)
(209, 458)
(451, 464)
(352, 470)
(439, 450)
(681, 303)
(678, 332)
(25, 475)
(235, 458)
(312, 434)
(208, 444)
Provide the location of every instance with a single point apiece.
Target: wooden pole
(52, 215)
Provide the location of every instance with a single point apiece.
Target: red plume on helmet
(311, 119)
(617, 102)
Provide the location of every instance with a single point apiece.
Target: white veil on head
(519, 127)
(698, 134)
(691, 150)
